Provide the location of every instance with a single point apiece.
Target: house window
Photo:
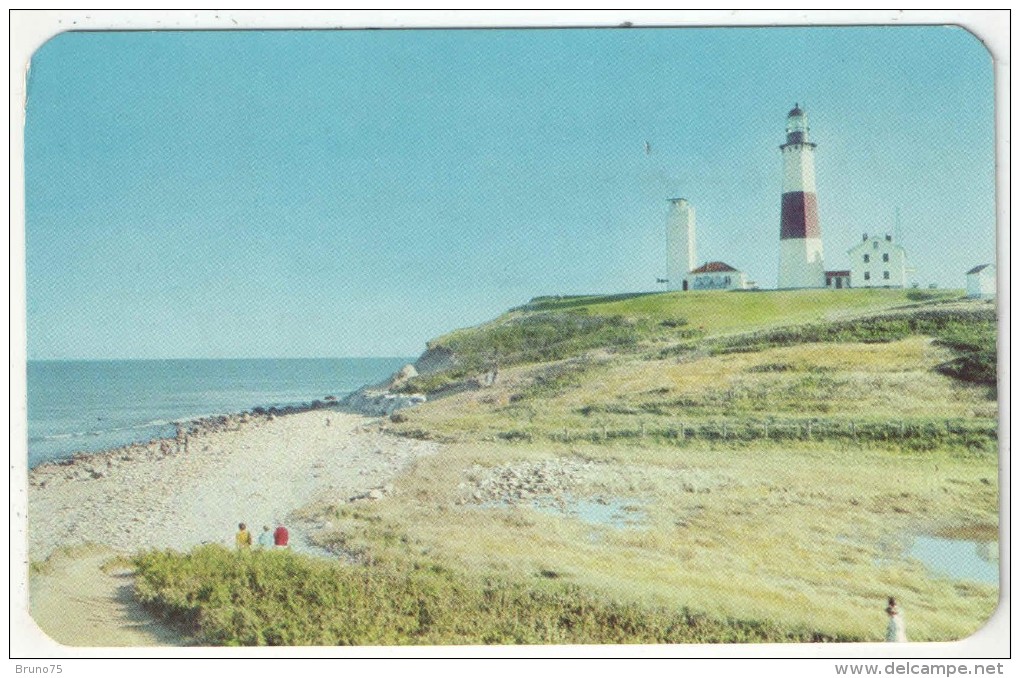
(867, 276)
(885, 257)
(867, 258)
(874, 244)
(885, 274)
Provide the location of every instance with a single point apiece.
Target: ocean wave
(155, 424)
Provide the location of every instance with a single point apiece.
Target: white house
(981, 282)
(716, 275)
(878, 262)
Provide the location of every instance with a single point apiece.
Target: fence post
(902, 429)
(642, 429)
(683, 432)
(766, 425)
(809, 429)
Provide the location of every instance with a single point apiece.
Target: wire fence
(922, 433)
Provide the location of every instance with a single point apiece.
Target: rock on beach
(195, 489)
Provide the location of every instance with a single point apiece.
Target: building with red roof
(716, 275)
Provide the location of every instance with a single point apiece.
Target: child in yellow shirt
(243, 538)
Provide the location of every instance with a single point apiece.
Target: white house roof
(865, 242)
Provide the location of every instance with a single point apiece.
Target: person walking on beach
(281, 537)
(266, 538)
(896, 631)
(243, 538)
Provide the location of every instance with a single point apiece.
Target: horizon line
(177, 359)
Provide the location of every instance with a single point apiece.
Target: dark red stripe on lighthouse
(800, 216)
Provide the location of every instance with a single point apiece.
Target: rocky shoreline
(371, 401)
(256, 469)
(95, 465)
(383, 399)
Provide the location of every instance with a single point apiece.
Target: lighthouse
(800, 245)
(681, 257)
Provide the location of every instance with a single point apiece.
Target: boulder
(403, 374)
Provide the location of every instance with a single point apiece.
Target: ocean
(92, 405)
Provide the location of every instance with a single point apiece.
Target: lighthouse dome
(796, 126)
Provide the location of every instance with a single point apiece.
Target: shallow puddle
(959, 558)
(616, 513)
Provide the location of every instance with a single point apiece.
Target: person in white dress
(896, 631)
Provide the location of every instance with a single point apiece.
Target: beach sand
(257, 472)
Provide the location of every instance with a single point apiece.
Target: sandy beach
(254, 470)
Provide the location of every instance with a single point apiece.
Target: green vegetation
(797, 534)
(784, 449)
(278, 598)
(670, 325)
(888, 393)
(975, 345)
(69, 553)
(971, 333)
(549, 336)
(835, 419)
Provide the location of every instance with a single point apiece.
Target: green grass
(68, 553)
(782, 446)
(835, 419)
(971, 333)
(223, 597)
(548, 336)
(890, 392)
(663, 325)
(719, 313)
(792, 533)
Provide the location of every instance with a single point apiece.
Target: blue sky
(348, 193)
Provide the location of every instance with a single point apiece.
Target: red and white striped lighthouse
(800, 244)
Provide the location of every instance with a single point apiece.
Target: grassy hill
(838, 426)
(691, 467)
(552, 328)
(875, 354)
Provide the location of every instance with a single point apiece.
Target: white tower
(800, 244)
(681, 256)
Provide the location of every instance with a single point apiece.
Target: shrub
(546, 336)
(282, 598)
(970, 333)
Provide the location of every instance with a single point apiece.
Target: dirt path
(76, 603)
